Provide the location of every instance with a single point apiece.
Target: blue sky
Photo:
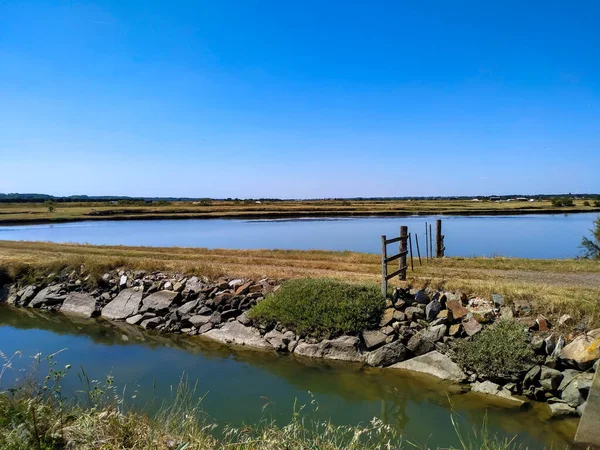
(299, 99)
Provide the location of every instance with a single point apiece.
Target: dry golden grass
(38, 212)
(553, 286)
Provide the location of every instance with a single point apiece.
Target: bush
(586, 203)
(591, 246)
(501, 352)
(322, 307)
(596, 202)
(562, 201)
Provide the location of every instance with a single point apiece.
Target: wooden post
(418, 250)
(412, 267)
(426, 243)
(383, 266)
(403, 250)
(439, 244)
(430, 242)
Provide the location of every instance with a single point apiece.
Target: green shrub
(586, 203)
(596, 202)
(500, 352)
(322, 307)
(562, 201)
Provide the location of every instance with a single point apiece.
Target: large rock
(199, 320)
(435, 364)
(345, 348)
(422, 297)
(49, 296)
(159, 301)
(79, 304)
(584, 350)
(432, 310)
(558, 410)
(550, 378)
(424, 341)
(373, 339)
(577, 389)
(472, 327)
(458, 310)
(237, 334)
(489, 388)
(26, 294)
(387, 355)
(126, 304)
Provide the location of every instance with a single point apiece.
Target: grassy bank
(553, 286)
(16, 213)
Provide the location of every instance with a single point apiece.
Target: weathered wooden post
(430, 242)
(383, 266)
(439, 239)
(412, 267)
(403, 251)
(418, 250)
(426, 243)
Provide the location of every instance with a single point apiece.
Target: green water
(238, 383)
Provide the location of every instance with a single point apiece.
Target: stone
(543, 323)
(550, 378)
(387, 355)
(472, 327)
(445, 314)
(506, 312)
(566, 320)
(151, 323)
(523, 307)
(159, 301)
(424, 341)
(134, 320)
(558, 410)
(206, 327)
(388, 317)
(455, 330)
(237, 334)
(458, 310)
(432, 310)
(79, 304)
(194, 285)
(123, 282)
(244, 319)
(435, 364)
(205, 310)
(490, 388)
(199, 320)
(583, 351)
(373, 339)
(414, 313)
(188, 307)
(345, 348)
(421, 297)
(275, 338)
(498, 300)
(27, 294)
(532, 377)
(126, 304)
(483, 315)
(49, 296)
(243, 289)
(399, 316)
(216, 318)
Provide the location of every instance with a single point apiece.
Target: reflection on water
(238, 382)
(516, 236)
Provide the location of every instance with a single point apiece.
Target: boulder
(151, 323)
(483, 315)
(194, 285)
(424, 341)
(414, 313)
(373, 339)
(79, 304)
(432, 310)
(27, 294)
(532, 377)
(558, 410)
(576, 390)
(134, 320)
(388, 317)
(244, 319)
(498, 300)
(49, 296)
(584, 350)
(435, 364)
(458, 310)
(472, 327)
(188, 307)
(199, 320)
(276, 339)
(237, 334)
(345, 348)
(489, 388)
(550, 378)
(159, 301)
(387, 355)
(126, 304)
(421, 297)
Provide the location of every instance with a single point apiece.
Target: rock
(532, 377)
(445, 314)
(188, 307)
(583, 351)
(414, 313)
(543, 323)
(275, 338)
(134, 320)
(575, 391)
(205, 310)
(159, 301)
(199, 320)
(421, 297)
(472, 327)
(345, 348)
(151, 323)
(550, 378)
(194, 285)
(237, 334)
(506, 312)
(458, 310)
(79, 304)
(216, 318)
(455, 330)
(49, 296)
(489, 388)
(27, 294)
(435, 364)
(387, 355)
(168, 286)
(244, 319)
(424, 341)
(243, 289)
(432, 310)
(498, 300)
(388, 317)
(566, 320)
(483, 315)
(206, 327)
(373, 339)
(126, 304)
(558, 410)
(399, 316)
(123, 282)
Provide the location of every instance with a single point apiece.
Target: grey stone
(206, 327)
(414, 313)
(244, 319)
(123, 282)
(472, 327)
(134, 320)
(588, 431)
(532, 377)
(506, 312)
(151, 323)
(388, 317)
(584, 350)
(187, 307)
(387, 355)
(489, 388)
(432, 310)
(126, 304)
(199, 320)
(345, 348)
(435, 364)
(421, 297)
(159, 301)
(498, 300)
(79, 304)
(558, 410)
(275, 338)
(424, 341)
(550, 378)
(373, 339)
(49, 296)
(27, 294)
(237, 334)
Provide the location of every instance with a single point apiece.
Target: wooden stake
(403, 250)
(439, 244)
(426, 242)
(418, 251)
(383, 266)
(412, 267)
(430, 242)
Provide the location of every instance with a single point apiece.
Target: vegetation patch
(500, 352)
(322, 307)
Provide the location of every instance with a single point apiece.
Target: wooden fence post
(430, 242)
(403, 250)
(418, 250)
(383, 266)
(426, 243)
(439, 239)
(412, 267)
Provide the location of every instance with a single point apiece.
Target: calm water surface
(238, 383)
(532, 236)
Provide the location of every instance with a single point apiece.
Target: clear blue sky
(299, 99)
